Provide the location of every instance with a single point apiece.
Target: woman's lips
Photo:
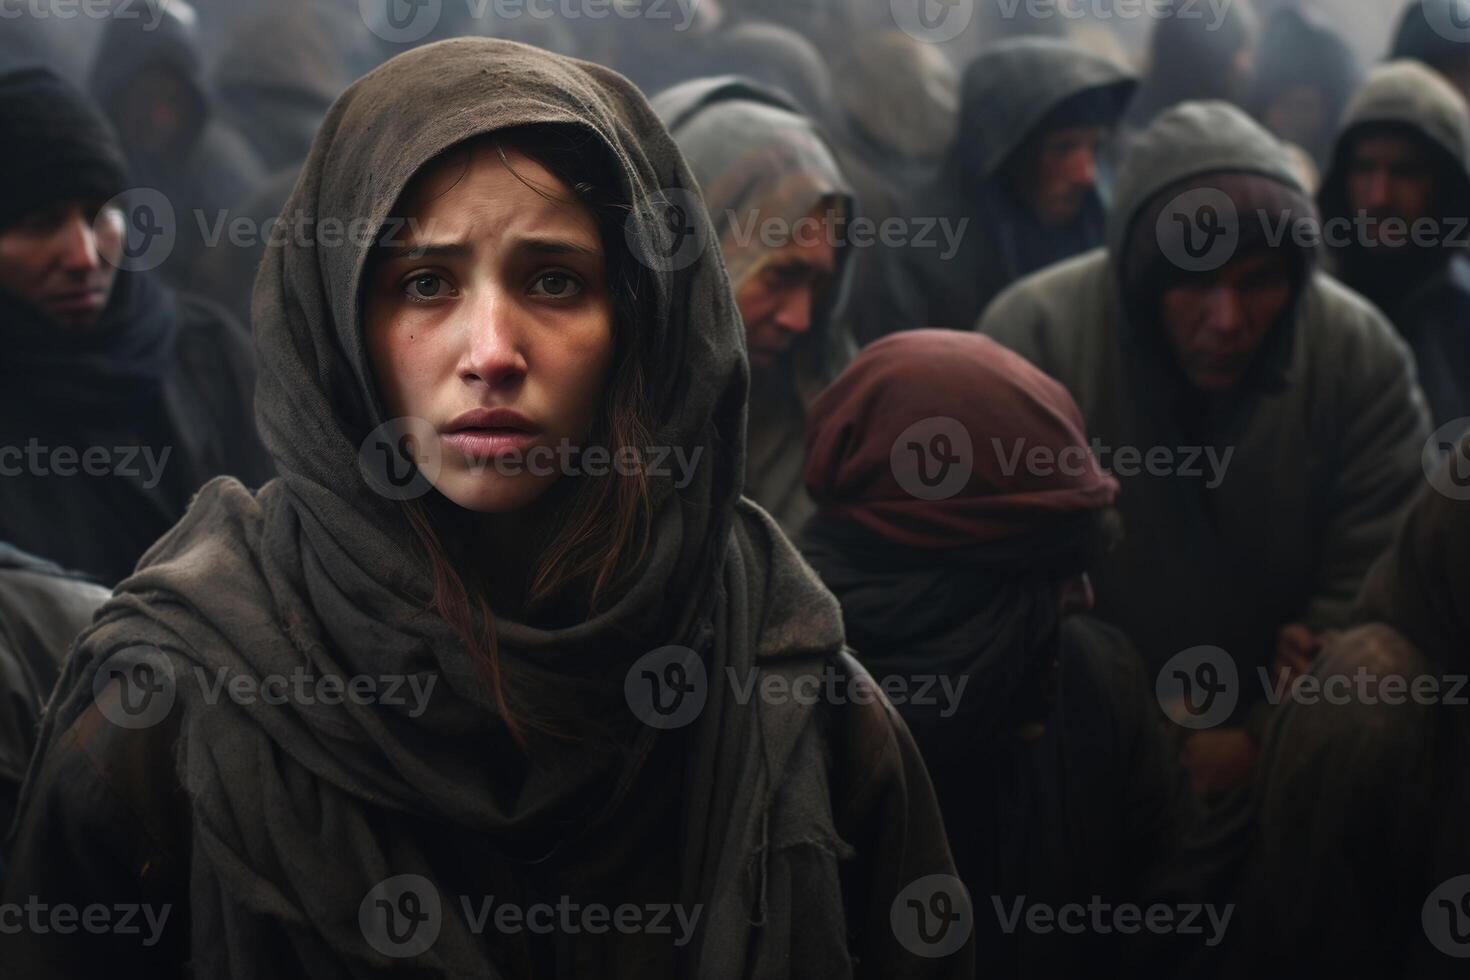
(490, 443)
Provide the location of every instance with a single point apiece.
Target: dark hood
(1010, 89)
(1406, 95)
(151, 33)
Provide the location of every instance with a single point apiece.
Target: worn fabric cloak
(791, 826)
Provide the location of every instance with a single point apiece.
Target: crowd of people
(734, 489)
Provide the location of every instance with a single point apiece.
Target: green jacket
(1311, 470)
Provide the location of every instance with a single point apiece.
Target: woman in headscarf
(959, 508)
(779, 203)
(118, 397)
(592, 654)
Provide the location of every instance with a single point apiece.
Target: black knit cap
(54, 145)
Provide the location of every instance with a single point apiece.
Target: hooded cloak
(1013, 91)
(212, 167)
(160, 386)
(1323, 435)
(762, 165)
(1424, 290)
(297, 811)
(1055, 782)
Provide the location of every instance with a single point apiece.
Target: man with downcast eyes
(118, 397)
(1264, 421)
(1037, 117)
(778, 201)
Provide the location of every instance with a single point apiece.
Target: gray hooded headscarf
(296, 811)
(761, 164)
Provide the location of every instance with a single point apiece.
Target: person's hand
(1218, 760)
(1296, 648)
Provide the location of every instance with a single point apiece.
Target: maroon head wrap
(945, 439)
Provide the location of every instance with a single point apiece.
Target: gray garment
(757, 159)
(42, 610)
(1324, 453)
(792, 826)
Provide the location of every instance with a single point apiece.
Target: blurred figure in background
(899, 103)
(276, 79)
(1363, 793)
(775, 56)
(1278, 410)
(779, 203)
(1437, 32)
(150, 82)
(1304, 76)
(1040, 730)
(1396, 203)
(1037, 116)
(120, 398)
(1197, 52)
(42, 609)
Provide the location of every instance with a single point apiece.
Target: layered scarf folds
(317, 571)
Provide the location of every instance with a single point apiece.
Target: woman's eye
(426, 287)
(556, 285)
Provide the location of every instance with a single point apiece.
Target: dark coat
(1325, 446)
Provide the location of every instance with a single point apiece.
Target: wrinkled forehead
(391, 125)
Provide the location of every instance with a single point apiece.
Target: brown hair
(603, 527)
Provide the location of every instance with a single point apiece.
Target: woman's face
(491, 320)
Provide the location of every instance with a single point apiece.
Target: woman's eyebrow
(427, 250)
(557, 246)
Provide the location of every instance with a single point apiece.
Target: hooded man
(1359, 857)
(148, 77)
(120, 399)
(1263, 420)
(1435, 32)
(1037, 723)
(1304, 75)
(1036, 115)
(778, 202)
(899, 101)
(1395, 205)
